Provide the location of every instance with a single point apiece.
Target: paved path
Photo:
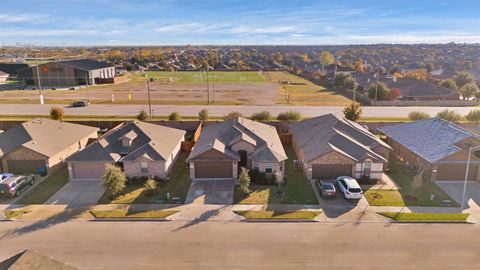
(214, 110)
(241, 245)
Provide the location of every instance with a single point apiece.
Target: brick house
(141, 149)
(40, 144)
(438, 149)
(329, 146)
(223, 148)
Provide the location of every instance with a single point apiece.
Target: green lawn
(132, 214)
(177, 186)
(409, 194)
(15, 213)
(297, 188)
(46, 188)
(201, 76)
(253, 214)
(401, 216)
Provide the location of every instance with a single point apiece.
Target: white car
(349, 188)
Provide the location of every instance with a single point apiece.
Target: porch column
(235, 170)
(192, 170)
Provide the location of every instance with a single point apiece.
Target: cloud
(181, 27)
(12, 18)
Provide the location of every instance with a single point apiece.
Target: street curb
(129, 219)
(279, 220)
(431, 222)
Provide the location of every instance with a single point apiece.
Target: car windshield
(355, 190)
(328, 186)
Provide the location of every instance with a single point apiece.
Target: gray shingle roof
(320, 135)
(432, 139)
(155, 141)
(44, 136)
(86, 64)
(268, 146)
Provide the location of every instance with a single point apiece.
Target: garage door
(26, 166)
(88, 170)
(456, 172)
(216, 169)
(330, 171)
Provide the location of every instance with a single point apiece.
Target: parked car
(349, 188)
(15, 185)
(4, 176)
(327, 188)
(80, 103)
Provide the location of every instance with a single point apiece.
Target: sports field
(191, 88)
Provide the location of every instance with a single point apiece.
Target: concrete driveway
(78, 193)
(455, 190)
(211, 192)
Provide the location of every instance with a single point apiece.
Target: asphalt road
(214, 110)
(240, 245)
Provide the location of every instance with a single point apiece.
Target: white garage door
(87, 170)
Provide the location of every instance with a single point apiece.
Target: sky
(242, 22)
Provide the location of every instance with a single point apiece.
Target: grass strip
(10, 214)
(256, 214)
(435, 217)
(132, 214)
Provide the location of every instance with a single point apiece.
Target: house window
(367, 167)
(144, 167)
(268, 168)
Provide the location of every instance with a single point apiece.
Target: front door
(243, 159)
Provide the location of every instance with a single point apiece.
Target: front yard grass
(409, 194)
(15, 213)
(297, 188)
(132, 214)
(299, 215)
(402, 216)
(44, 190)
(177, 186)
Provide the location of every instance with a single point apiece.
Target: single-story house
(140, 148)
(438, 149)
(40, 144)
(3, 76)
(413, 89)
(329, 146)
(224, 148)
(12, 69)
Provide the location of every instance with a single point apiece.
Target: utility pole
(376, 85)
(213, 88)
(208, 89)
(149, 101)
(86, 85)
(38, 79)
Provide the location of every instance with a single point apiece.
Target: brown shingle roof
(44, 136)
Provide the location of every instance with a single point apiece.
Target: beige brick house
(40, 144)
(437, 149)
(329, 146)
(142, 149)
(223, 148)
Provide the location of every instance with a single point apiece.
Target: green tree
(142, 115)
(150, 186)
(418, 115)
(379, 90)
(350, 83)
(232, 115)
(469, 90)
(174, 116)
(463, 78)
(429, 67)
(244, 180)
(56, 113)
(450, 84)
(203, 115)
(353, 111)
(473, 116)
(449, 115)
(261, 116)
(113, 180)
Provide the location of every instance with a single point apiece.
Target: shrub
(114, 180)
(450, 84)
(150, 187)
(174, 116)
(353, 111)
(418, 115)
(232, 115)
(56, 113)
(142, 115)
(260, 178)
(289, 116)
(394, 93)
(244, 179)
(382, 92)
(473, 116)
(449, 115)
(261, 116)
(203, 115)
